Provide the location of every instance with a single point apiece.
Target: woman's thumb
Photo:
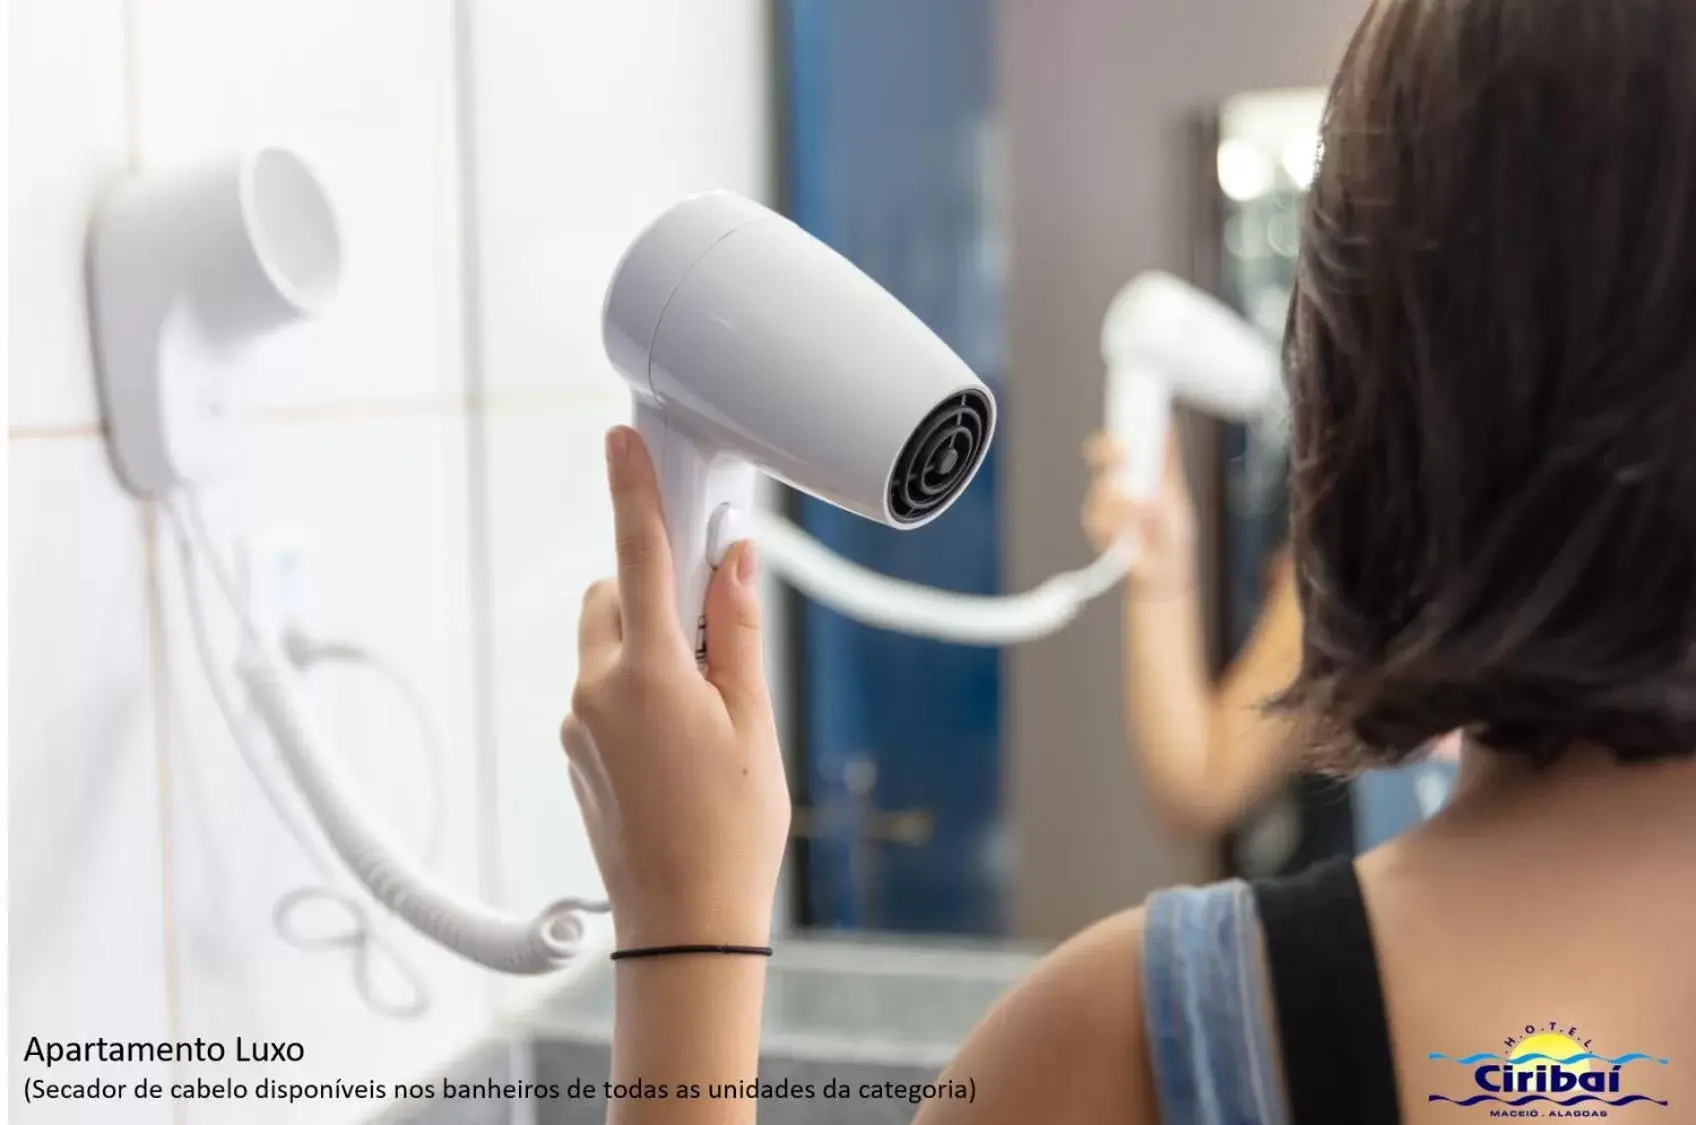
(735, 647)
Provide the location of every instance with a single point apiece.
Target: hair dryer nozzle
(764, 343)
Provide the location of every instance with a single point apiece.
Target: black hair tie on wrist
(669, 950)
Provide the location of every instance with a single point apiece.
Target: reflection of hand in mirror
(1163, 526)
(1207, 751)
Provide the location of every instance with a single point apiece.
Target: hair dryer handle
(707, 497)
(1139, 416)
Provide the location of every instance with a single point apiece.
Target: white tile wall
(585, 130)
(551, 536)
(87, 883)
(145, 862)
(364, 92)
(69, 139)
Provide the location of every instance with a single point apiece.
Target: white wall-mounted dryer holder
(188, 268)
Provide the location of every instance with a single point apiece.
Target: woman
(1210, 754)
(1492, 360)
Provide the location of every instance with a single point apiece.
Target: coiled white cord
(907, 607)
(306, 652)
(358, 936)
(501, 941)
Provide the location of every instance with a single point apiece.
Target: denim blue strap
(1209, 1024)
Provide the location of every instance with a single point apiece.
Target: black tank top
(1333, 1031)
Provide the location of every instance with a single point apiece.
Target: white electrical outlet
(280, 582)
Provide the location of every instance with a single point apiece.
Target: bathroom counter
(873, 1016)
(870, 1000)
(870, 1014)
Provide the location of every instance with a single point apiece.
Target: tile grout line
(157, 649)
(55, 433)
(159, 674)
(478, 547)
(474, 407)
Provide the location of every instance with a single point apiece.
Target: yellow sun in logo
(1556, 1046)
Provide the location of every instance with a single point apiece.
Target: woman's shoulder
(1067, 1043)
(1084, 1036)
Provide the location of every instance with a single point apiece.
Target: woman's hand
(679, 775)
(1162, 526)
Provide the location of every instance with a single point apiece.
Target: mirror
(1264, 149)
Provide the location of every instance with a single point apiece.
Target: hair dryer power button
(729, 524)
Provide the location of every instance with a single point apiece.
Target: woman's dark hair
(1492, 366)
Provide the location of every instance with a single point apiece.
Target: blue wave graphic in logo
(1538, 1056)
(1529, 1098)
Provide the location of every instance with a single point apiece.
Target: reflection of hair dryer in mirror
(1165, 340)
(747, 343)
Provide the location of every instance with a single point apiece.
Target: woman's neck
(1586, 790)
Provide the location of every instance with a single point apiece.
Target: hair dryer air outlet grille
(940, 457)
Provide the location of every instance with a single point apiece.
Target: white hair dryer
(748, 343)
(1164, 340)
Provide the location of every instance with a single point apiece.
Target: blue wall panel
(887, 104)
